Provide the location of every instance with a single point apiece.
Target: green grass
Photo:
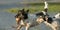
(37, 7)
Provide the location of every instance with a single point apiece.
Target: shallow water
(7, 20)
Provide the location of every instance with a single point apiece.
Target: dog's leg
(19, 27)
(53, 27)
(27, 26)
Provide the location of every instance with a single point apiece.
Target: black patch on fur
(44, 19)
(39, 14)
(50, 20)
(23, 13)
(25, 16)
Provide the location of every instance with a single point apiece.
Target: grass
(37, 7)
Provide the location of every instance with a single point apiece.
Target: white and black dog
(54, 24)
(44, 12)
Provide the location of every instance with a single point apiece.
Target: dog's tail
(46, 5)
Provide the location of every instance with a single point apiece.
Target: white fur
(44, 12)
(22, 23)
(46, 5)
(57, 16)
(27, 26)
